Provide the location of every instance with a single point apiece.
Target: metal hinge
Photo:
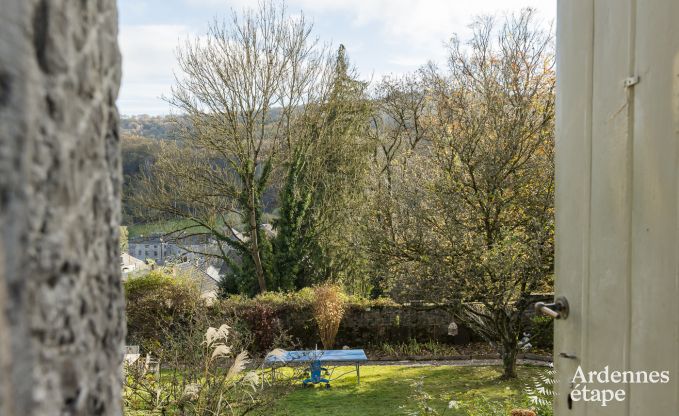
(631, 81)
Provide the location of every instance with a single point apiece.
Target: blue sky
(381, 36)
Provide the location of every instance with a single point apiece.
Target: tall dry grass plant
(329, 307)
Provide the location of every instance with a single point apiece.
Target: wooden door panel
(617, 236)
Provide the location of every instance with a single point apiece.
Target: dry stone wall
(61, 305)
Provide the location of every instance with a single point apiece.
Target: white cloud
(148, 65)
(403, 34)
(226, 4)
(416, 30)
(149, 50)
(144, 98)
(422, 22)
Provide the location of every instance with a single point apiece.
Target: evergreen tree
(326, 167)
(239, 278)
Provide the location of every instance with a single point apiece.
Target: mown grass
(388, 390)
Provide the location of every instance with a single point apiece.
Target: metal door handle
(557, 310)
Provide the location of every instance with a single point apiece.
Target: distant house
(152, 247)
(163, 249)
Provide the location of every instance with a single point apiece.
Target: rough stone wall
(362, 326)
(394, 324)
(61, 305)
(399, 325)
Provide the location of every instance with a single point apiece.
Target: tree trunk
(509, 352)
(254, 241)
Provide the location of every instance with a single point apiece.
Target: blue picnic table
(315, 359)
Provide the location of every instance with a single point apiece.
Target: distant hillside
(155, 127)
(161, 127)
(139, 153)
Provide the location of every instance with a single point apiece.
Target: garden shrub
(263, 323)
(159, 304)
(300, 300)
(541, 329)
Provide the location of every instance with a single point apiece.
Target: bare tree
(242, 89)
(395, 233)
(464, 194)
(493, 173)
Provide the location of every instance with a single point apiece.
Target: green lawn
(384, 390)
(161, 227)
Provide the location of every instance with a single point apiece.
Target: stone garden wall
(62, 322)
(363, 326)
(365, 323)
(372, 325)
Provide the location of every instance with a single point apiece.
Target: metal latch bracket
(631, 81)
